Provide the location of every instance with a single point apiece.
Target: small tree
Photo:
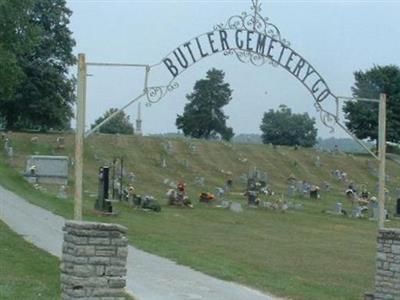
(282, 127)
(203, 116)
(120, 123)
(362, 117)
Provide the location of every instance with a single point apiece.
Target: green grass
(26, 272)
(303, 254)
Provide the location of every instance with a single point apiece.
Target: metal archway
(249, 37)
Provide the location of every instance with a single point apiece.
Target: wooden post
(382, 159)
(79, 135)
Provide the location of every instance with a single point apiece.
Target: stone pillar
(387, 277)
(93, 263)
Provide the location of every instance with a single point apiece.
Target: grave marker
(60, 142)
(163, 163)
(49, 169)
(62, 194)
(236, 207)
(199, 180)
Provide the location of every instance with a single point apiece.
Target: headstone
(299, 186)
(243, 160)
(7, 144)
(243, 178)
(228, 185)
(318, 162)
(306, 188)
(131, 177)
(356, 212)
(375, 210)
(62, 194)
(220, 192)
(267, 204)
(186, 163)
(225, 204)
(291, 190)
(172, 184)
(199, 180)
(236, 207)
(168, 147)
(192, 148)
(326, 186)
(60, 142)
(163, 163)
(34, 140)
(398, 207)
(339, 208)
(48, 169)
(10, 152)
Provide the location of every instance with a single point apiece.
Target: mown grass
(26, 272)
(305, 254)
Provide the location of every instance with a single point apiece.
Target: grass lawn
(303, 254)
(26, 272)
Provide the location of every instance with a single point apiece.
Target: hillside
(301, 254)
(187, 159)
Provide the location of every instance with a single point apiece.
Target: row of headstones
(170, 149)
(60, 144)
(60, 141)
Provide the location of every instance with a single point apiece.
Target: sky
(336, 37)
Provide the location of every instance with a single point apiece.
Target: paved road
(393, 157)
(150, 277)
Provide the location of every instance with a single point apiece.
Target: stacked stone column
(387, 277)
(93, 263)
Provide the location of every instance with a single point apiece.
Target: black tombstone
(103, 203)
(398, 207)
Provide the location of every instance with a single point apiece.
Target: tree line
(203, 115)
(36, 91)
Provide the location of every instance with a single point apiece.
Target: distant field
(302, 254)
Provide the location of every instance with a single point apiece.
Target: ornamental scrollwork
(253, 21)
(327, 118)
(155, 93)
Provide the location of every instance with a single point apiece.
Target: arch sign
(252, 39)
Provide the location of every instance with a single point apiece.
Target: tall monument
(138, 122)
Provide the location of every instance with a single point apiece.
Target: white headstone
(338, 208)
(163, 163)
(236, 207)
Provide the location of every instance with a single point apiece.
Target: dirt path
(150, 277)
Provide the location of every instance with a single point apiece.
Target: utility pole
(382, 159)
(80, 122)
(79, 135)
